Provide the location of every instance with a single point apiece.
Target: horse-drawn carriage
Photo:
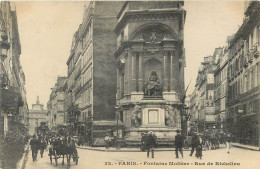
(61, 147)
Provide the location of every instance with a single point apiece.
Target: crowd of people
(41, 143)
(38, 143)
(197, 142)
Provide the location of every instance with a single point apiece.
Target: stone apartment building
(13, 104)
(91, 84)
(243, 116)
(55, 104)
(204, 108)
(220, 77)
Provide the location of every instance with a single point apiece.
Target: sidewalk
(246, 146)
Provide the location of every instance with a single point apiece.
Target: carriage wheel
(50, 154)
(75, 156)
(56, 159)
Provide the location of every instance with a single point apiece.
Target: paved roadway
(89, 159)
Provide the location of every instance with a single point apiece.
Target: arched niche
(151, 66)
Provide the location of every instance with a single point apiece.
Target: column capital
(172, 52)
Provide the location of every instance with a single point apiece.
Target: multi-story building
(220, 77)
(243, 117)
(150, 68)
(13, 104)
(55, 104)
(91, 84)
(37, 115)
(204, 108)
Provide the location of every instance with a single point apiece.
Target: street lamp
(118, 110)
(187, 116)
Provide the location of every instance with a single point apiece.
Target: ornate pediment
(154, 34)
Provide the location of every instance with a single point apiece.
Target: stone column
(165, 74)
(171, 71)
(140, 83)
(127, 74)
(118, 86)
(134, 80)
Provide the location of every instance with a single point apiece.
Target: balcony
(245, 62)
(256, 50)
(250, 56)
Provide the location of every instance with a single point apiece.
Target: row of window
(249, 80)
(86, 76)
(86, 97)
(250, 107)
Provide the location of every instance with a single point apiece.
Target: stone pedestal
(153, 115)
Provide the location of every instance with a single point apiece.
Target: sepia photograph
(138, 84)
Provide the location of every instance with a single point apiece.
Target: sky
(46, 29)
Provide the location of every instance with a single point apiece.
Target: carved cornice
(144, 15)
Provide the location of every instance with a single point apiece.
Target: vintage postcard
(130, 84)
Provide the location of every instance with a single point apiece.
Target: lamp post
(91, 117)
(239, 113)
(198, 120)
(187, 116)
(118, 110)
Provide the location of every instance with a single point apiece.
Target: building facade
(91, 84)
(220, 77)
(243, 116)
(203, 105)
(37, 115)
(150, 68)
(55, 104)
(13, 104)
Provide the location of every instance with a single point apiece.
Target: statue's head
(154, 73)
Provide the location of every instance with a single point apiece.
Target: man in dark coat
(150, 144)
(178, 144)
(34, 147)
(193, 143)
(199, 146)
(42, 145)
(143, 141)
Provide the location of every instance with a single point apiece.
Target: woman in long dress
(199, 146)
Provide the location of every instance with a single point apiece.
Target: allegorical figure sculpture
(136, 116)
(170, 117)
(152, 85)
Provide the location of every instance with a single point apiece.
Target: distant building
(243, 116)
(37, 115)
(202, 100)
(220, 77)
(55, 104)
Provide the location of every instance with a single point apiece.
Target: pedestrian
(143, 141)
(178, 144)
(42, 145)
(107, 141)
(199, 146)
(228, 143)
(150, 144)
(193, 143)
(34, 147)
